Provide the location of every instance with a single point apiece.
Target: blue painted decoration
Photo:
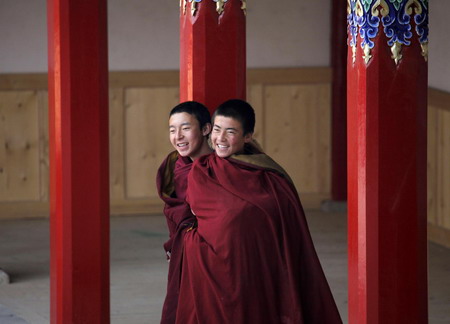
(364, 17)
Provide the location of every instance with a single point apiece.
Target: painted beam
(212, 51)
(79, 172)
(387, 156)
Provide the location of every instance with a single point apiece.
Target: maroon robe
(251, 259)
(172, 185)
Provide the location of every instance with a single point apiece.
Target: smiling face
(228, 136)
(186, 136)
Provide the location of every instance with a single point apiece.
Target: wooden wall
(293, 125)
(439, 167)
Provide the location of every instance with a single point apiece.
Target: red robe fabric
(251, 258)
(172, 185)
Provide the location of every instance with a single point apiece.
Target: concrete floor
(138, 269)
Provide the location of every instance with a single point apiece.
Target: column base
(333, 206)
(4, 278)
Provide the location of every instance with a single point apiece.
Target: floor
(138, 269)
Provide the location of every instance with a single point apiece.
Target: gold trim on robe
(260, 160)
(168, 187)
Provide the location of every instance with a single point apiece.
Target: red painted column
(79, 180)
(212, 51)
(387, 155)
(339, 101)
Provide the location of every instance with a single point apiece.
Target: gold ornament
(396, 52)
(424, 47)
(193, 8)
(359, 9)
(408, 7)
(367, 56)
(219, 6)
(183, 4)
(244, 6)
(384, 8)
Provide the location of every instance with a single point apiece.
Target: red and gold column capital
(387, 160)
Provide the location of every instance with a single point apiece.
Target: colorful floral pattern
(364, 17)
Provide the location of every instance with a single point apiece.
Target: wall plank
(19, 146)
(297, 133)
(443, 169)
(255, 96)
(44, 159)
(146, 137)
(116, 144)
(432, 165)
(170, 78)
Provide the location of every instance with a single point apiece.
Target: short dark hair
(194, 108)
(240, 110)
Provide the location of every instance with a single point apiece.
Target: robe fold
(251, 258)
(171, 183)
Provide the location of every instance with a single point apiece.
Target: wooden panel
(19, 146)
(23, 209)
(44, 157)
(439, 167)
(152, 206)
(443, 169)
(116, 144)
(297, 133)
(135, 79)
(25, 81)
(432, 165)
(303, 75)
(146, 137)
(439, 99)
(255, 96)
(439, 234)
(170, 78)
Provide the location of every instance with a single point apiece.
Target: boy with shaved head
(250, 258)
(189, 127)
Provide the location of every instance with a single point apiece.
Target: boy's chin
(183, 154)
(222, 155)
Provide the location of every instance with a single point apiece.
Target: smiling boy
(251, 258)
(189, 127)
(228, 136)
(188, 133)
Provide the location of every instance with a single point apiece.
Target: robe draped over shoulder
(172, 185)
(251, 258)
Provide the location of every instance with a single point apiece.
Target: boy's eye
(186, 128)
(171, 131)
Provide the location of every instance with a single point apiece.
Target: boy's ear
(206, 129)
(248, 137)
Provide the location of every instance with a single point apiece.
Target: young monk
(189, 127)
(250, 259)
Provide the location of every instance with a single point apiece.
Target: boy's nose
(221, 137)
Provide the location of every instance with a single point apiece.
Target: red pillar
(79, 188)
(339, 101)
(212, 51)
(387, 155)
